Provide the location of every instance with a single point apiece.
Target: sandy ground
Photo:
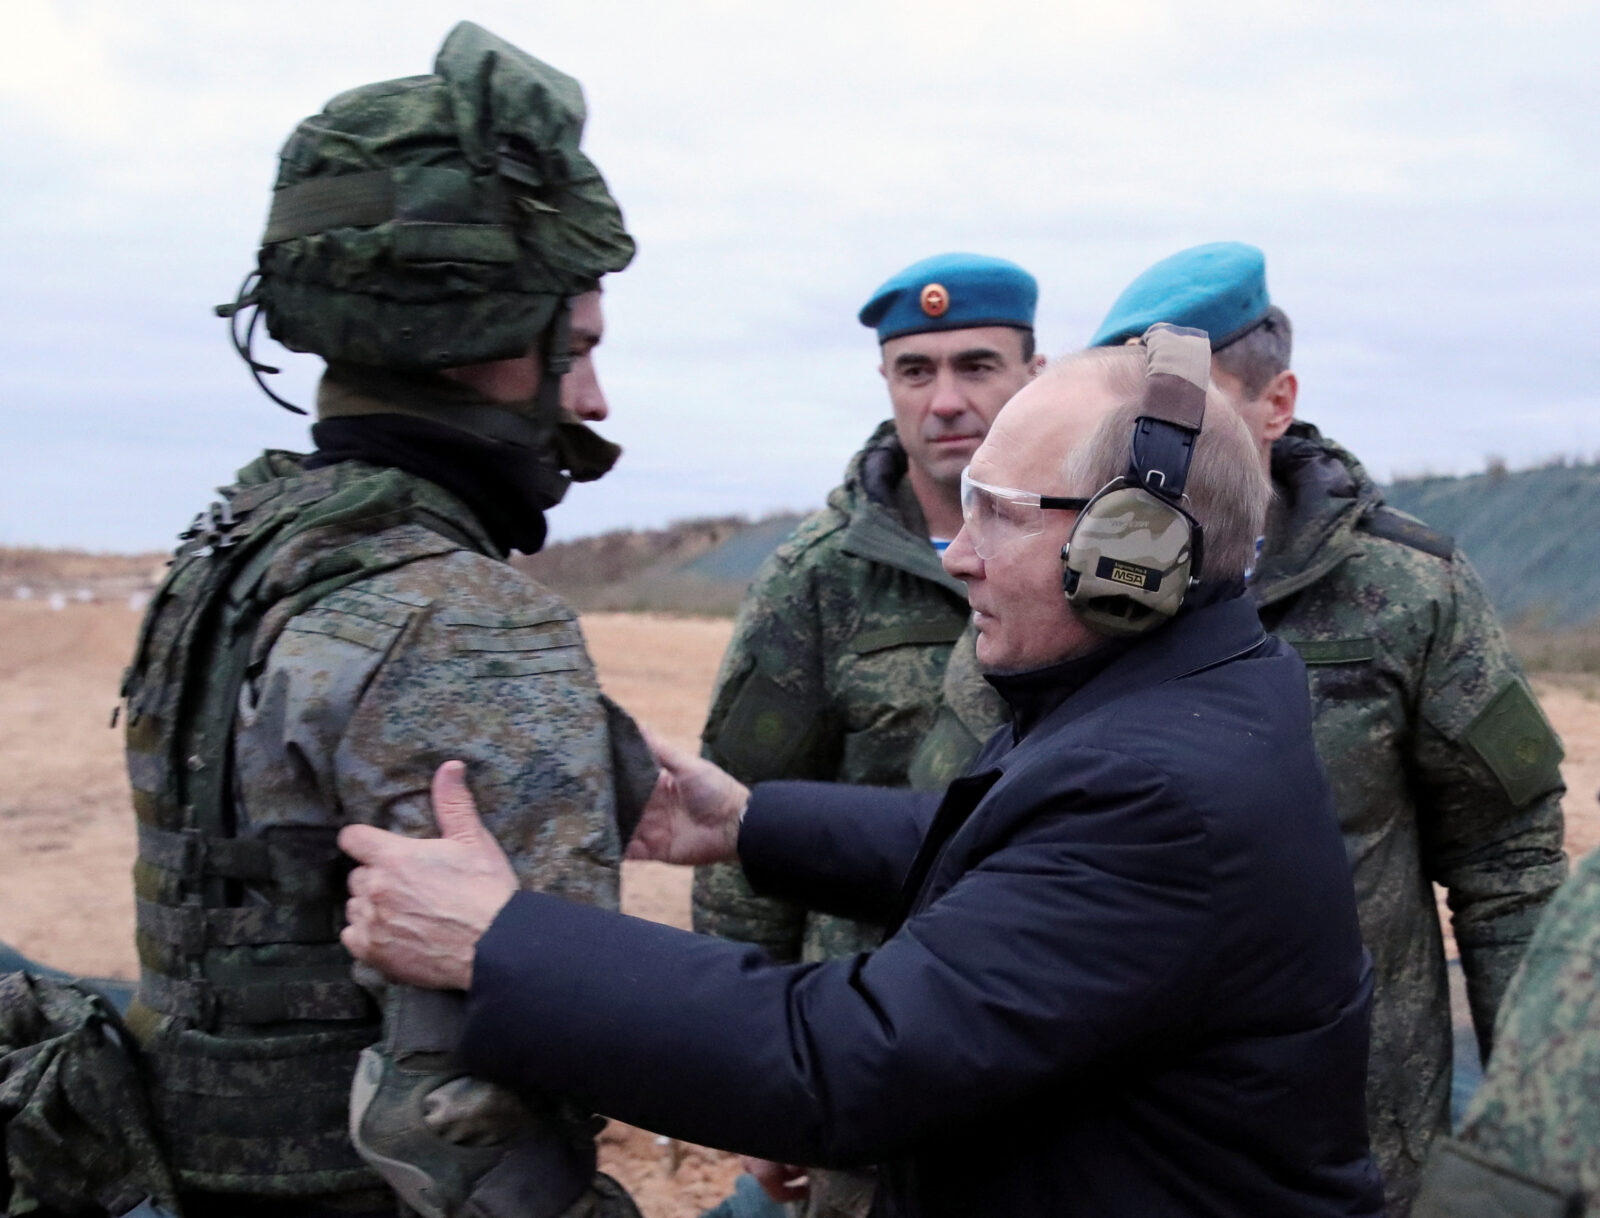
(66, 834)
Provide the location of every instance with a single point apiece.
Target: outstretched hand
(694, 813)
(418, 906)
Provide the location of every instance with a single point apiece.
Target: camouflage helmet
(436, 221)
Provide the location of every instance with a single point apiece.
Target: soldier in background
(340, 623)
(1444, 770)
(1529, 1146)
(845, 655)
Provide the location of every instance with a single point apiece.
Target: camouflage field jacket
(1443, 769)
(836, 673)
(1531, 1139)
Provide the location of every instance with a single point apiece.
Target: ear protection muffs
(1134, 551)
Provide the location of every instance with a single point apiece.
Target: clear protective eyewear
(995, 516)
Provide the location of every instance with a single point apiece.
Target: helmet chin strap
(249, 297)
(555, 351)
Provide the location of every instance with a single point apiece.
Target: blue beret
(952, 292)
(1220, 288)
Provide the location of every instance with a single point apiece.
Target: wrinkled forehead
(1044, 422)
(936, 346)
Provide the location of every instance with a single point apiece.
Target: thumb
(453, 806)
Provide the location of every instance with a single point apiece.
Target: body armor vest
(248, 1017)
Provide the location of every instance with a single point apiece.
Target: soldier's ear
(1279, 397)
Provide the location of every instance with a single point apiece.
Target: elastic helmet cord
(249, 297)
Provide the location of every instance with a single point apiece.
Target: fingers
(356, 936)
(453, 805)
(668, 756)
(652, 840)
(366, 844)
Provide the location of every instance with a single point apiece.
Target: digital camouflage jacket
(1529, 1146)
(393, 639)
(836, 672)
(1443, 769)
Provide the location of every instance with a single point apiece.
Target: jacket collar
(1033, 694)
(1323, 492)
(886, 524)
(1194, 640)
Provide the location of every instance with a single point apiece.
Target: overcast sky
(1422, 177)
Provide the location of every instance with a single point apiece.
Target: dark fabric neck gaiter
(505, 485)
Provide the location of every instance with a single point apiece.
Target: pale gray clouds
(1422, 176)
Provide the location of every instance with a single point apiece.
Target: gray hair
(1228, 489)
(1261, 354)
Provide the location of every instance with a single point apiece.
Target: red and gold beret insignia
(935, 300)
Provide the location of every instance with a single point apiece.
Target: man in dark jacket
(1444, 770)
(1123, 974)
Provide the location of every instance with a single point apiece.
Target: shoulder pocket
(767, 728)
(1516, 741)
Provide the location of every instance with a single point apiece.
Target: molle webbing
(194, 929)
(205, 1003)
(250, 1020)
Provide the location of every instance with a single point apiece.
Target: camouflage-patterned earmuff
(1134, 551)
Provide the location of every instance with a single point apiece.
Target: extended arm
(829, 846)
(1017, 975)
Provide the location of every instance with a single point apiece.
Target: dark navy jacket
(1124, 976)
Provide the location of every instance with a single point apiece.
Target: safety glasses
(995, 516)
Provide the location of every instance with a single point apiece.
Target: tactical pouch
(1459, 1182)
(451, 1145)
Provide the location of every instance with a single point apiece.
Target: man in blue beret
(849, 651)
(1444, 770)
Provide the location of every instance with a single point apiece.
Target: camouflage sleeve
(769, 719)
(498, 676)
(1489, 792)
(1538, 1110)
(363, 696)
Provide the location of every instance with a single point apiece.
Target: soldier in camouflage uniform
(1529, 1146)
(339, 624)
(845, 653)
(1444, 770)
